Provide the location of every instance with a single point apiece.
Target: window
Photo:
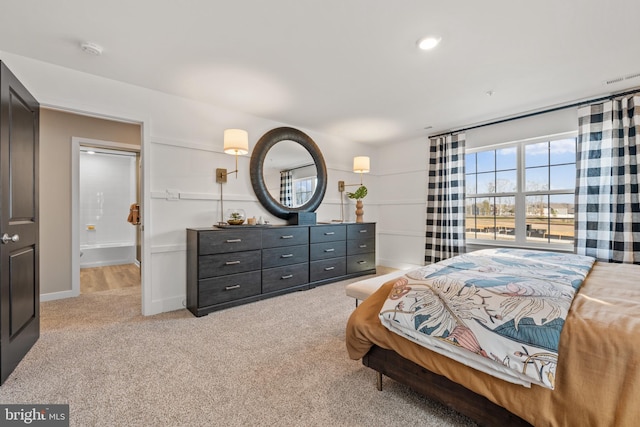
(303, 189)
(522, 193)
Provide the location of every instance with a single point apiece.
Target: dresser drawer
(327, 233)
(361, 231)
(228, 288)
(229, 263)
(216, 242)
(327, 268)
(361, 246)
(274, 279)
(318, 251)
(358, 263)
(275, 257)
(285, 236)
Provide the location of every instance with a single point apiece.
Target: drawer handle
(329, 268)
(286, 255)
(329, 250)
(362, 262)
(330, 233)
(230, 288)
(234, 240)
(289, 236)
(232, 262)
(363, 246)
(363, 231)
(288, 276)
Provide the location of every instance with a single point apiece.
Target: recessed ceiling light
(91, 48)
(428, 43)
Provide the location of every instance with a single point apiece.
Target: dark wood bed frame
(439, 388)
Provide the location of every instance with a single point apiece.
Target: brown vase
(359, 211)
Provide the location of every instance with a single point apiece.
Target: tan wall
(56, 130)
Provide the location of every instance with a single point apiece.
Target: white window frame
(296, 195)
(519, 195)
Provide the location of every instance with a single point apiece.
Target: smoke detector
(91, 48)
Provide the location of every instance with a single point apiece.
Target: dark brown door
(19, 246)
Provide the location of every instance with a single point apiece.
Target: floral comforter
(497, 310)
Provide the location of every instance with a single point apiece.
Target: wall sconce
(236, 142)
(361, 165)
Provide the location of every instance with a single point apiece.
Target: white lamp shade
(236, 141)
(361, 164)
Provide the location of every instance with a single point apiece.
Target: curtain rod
(298, 167)
(536, 113)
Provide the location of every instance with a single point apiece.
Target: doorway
(108, 192)
(106, 248)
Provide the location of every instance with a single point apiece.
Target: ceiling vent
(621, 79)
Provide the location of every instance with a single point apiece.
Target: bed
(597, 376)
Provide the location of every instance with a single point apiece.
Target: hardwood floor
(110, 277)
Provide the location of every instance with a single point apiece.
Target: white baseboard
(165, 305)
(57, 295)
(395, 264)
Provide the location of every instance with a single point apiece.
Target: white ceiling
(344, 67)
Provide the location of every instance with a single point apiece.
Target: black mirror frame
(258, 156)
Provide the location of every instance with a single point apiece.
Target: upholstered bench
(362, 289)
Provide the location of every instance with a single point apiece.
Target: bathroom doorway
(106, 221)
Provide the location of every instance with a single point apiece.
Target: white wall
(107, 189)
(182, 147)
(552, 123)
(402, 189)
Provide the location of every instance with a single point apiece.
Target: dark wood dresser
(232, 266)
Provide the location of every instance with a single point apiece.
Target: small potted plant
(235, 216)
(358, 195)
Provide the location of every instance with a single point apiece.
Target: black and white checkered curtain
(607, 218)
(445, 235)
(286, 188)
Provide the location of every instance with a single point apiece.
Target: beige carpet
(277, 362)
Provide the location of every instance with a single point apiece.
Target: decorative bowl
(235, 216)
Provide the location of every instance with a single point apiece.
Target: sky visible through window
(548, 166)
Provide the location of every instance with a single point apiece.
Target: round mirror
(288, 173)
